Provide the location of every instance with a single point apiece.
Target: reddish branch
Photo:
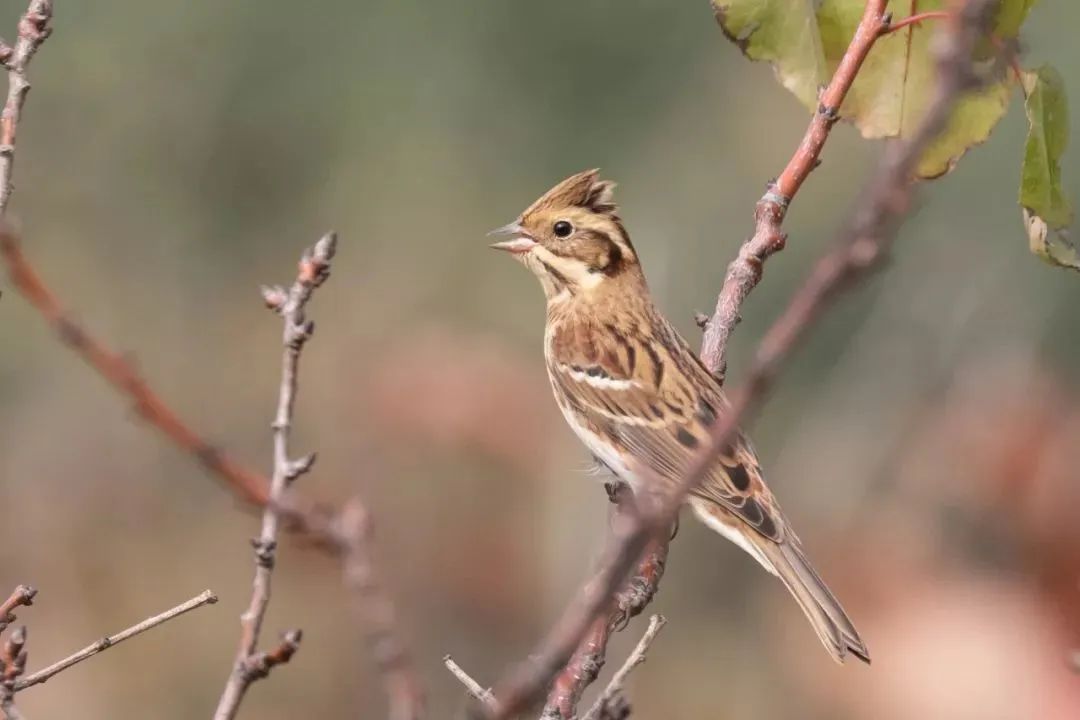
(607, 706)
(12, 665)
(251, 486)
(744, 272)
(862, 245)
(743, 275)
(23, 596)
(918, 18)
(33, 30)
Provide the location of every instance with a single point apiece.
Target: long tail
(822, 609)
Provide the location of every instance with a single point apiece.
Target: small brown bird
(637, 395)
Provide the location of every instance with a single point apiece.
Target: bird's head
(572, 237)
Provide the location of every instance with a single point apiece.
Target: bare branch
(313, 270)
(22, 595)
(12, 665)
(863, 243)
(315, 522)
(33, 30)
(476, 690)
(744, 272)
(207, 597)
(618, 680)
(377, 616)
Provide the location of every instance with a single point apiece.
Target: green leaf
(1048, 135)
(1047, 213)
(971, 124)
(894, 87)
(1011, 15)
(781, 32)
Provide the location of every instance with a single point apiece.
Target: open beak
(518, 243)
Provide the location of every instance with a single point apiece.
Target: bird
(636, 394)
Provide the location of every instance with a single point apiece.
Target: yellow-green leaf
(971, 124)
(1011, 15)
(781, 32)
(893, 89)
(1047, 213)
(1048, 135)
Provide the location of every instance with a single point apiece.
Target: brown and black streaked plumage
(637, 395)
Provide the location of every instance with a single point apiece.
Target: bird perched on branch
(636, 394)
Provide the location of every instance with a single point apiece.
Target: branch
(377, 615)
(862, 245)
(475, 690)
(313, 270)
(251, 486)
(743, 275)
(33, 30)
(206, 598)
(917, 19)
(618, 680)
(588, 660)
(744, 272)
(314, 521)
(22, 595)
(12, 664)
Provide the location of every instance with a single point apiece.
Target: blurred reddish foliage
(465, 392)
(968, 578)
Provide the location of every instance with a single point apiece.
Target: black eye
(563, 229)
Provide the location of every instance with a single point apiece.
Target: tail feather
(822, 609)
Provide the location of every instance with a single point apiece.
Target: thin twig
(12, 665)
(22, 595)
(744, 272)
(743, 275)
(862, 245)
(377, 615)
(618, 680)
(917, 19)
(207, 597)
(33, 30)
(475, 690)
(313, 270)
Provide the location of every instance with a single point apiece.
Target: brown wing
(650, 393)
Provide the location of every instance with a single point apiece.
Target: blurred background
(173, 157)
